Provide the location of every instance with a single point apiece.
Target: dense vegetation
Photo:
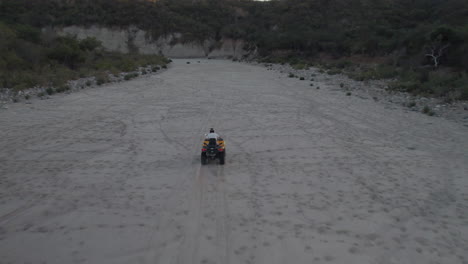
(423, 42)
(30, 57)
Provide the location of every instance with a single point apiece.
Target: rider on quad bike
(213, 148)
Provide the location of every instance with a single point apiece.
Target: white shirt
(212, 135)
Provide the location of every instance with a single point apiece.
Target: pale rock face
(229, 47)
(112, 40)
(124, 40)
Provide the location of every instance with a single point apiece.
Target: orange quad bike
(213, 149)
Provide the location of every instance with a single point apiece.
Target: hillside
(424, 42)
(31, 57)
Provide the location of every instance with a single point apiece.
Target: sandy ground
(112, 175)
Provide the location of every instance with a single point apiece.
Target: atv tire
(221, 159)
(204, 159)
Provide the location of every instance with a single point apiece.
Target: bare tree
(436, 50)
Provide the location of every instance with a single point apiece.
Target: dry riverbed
(111, 174)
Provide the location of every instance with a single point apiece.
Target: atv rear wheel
(221, 159)
(204, 159)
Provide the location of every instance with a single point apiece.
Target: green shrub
(20, 86)
(62, 89)
(114, 71)
(102, 78)
(342, 64)
(362, 76)
(59, 90)
(384, 72)
(83, 73)
(348, 94)
(428, 111)
(27, 97)
(60, 75)
(406, 86)
(89, 44)
(445, 84)
(106, 63)
(67, 51)
(300, 66)
(302, 78)
(130, 76)
(126, 65)
(291, 75)
(28, 33)
(100, 81)
(377, 73)
(50, 91)
(88, 83)
(20, 80)
(334, 71)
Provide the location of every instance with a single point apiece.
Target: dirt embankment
(173, 45)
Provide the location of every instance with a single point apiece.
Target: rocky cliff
(134, 39)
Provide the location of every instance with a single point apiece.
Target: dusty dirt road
(112, 175)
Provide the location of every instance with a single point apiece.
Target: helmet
(211, 130)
